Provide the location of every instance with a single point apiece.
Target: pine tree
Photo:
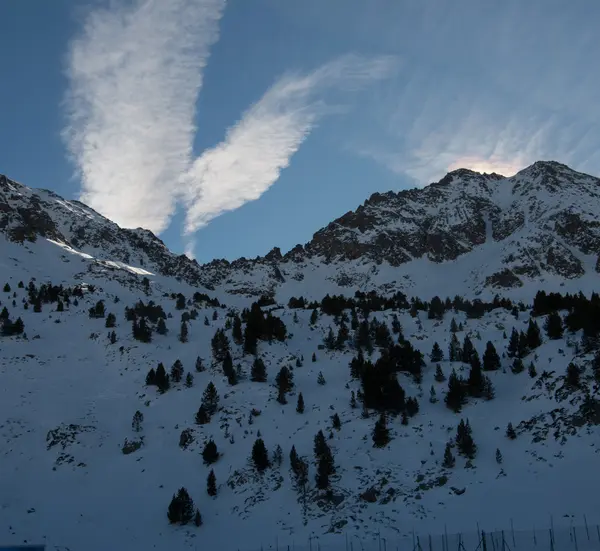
(314, 357)
(314, 316)
(491, 360)
(330, 340)
(294, 459)
(510, 432)
(321, 378)
(181, 508)
(439, 374)
(199, 365)
(454, 349)
(488, 391)
(573, 375)
(161, 327)
(396, 326)
(138, 419)
(177, 371)
(210, 399)
(532, 370)
(464, 439)
(449, 460)
(437, 354)
(162, 379)
(151, 377)
(534, 336)
(284, 381)
(381, 434)
(189, 380)
(300, 405)
(432, 395)
(258, 372)
(475, 376)
(513, 344)
(111, 320)
(456, 396)
(517, 366)
(198, 518)
(228, 369)
(322, 476)
(183, 334)
(353, 400)
(467, 349)
(202, 416)
(236, 330)
(453, 326)
(554, 326)
(498, 456)
(336, 423)
(210, 453)
(211, 484)
(260, 457)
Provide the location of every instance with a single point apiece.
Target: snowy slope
(85, 493)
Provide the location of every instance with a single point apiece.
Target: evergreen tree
(177, 371)
(300, 405)
(151, 377)
(161, 327)
(336, 423)
(181, 508)
(138, 419)
(314, 357)
(573, 375)
(475, 382)
(352, 400)
(236, 330)
(206, 322)
(210, 453)
(498, 456)
(453, 326)
(198, 518)
(381, 434)
(202, 416)
(180, 302)
(491, 359)
(189, 380)
(211, 484)
(210, 399)
(488, 391)
(432, 395)
(513, 344)
(464, 439)
(396, 327)
(449, 460)
(534, 337)
(314, 316)
(258, 373)
(532, 370)
(183, 334)
(162, 379)
(523, 349)
(330, 340)
(6, 288)
(199, 365)
(467, 349)
(260, 457)
(437, 354)
(554, 326)
(294, 459)
(322, 476)
(321, 378)
(111, 320)
(454, 349)
(228, 369)
(220, 345)
(456, 396)
(510, 432)
(284, 381)
(439, 374)
(517, 366)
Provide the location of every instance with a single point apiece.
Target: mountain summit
(491, 231)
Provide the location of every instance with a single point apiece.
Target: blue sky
(232, 127)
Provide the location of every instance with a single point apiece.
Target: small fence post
(483, 541)
(575, 538)
(512, 529)
(551, 540)
(587, 531)
(503, 542)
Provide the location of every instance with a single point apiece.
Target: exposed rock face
(543, 220)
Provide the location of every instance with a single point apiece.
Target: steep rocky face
(541, 222)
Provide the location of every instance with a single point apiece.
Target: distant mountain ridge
(538, 224)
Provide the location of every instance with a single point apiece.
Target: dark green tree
(111, 320)
(554, 326)
(210, 399)
(211, 484)
(181, 509)
(162, 378)
(513, 344)
(260, 457)
(236, 330)
(464, 439)
(177, 371)
(161, 327)
(381, 433)
(449, 460)
(210, 453)
(491, 359)
(573, 375)
(258, 372)
(189, 380)
(534, 336)
(439, 374)
(202, 416)
(456, 397)
(300, 405)
(437, 354)
(336, 422)
(510, 432)
(183, 333)
(199, 365)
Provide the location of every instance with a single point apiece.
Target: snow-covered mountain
(77, 475)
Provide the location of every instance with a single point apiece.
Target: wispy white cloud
(134, 73)
(260, 145)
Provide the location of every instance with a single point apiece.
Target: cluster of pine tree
(182, 509)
